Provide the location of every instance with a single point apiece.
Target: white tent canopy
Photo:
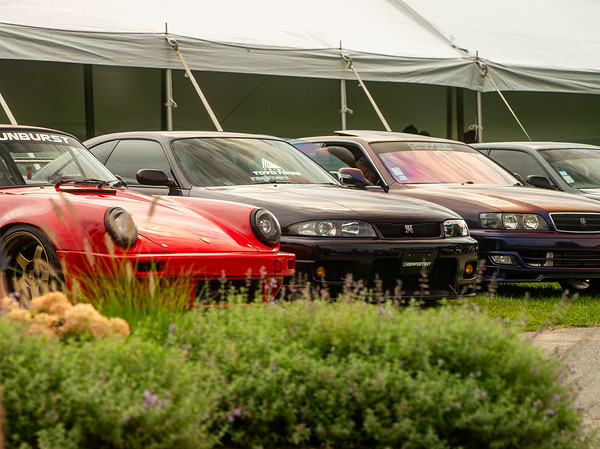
(536, 45)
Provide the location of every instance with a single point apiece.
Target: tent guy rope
(348, 59)
(7, 111)
(213, 117)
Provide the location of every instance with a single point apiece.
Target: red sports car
(63, 215)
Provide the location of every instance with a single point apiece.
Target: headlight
(455, 228)
(497, 220)
(265, 226)
(121, 227)
(333, 228)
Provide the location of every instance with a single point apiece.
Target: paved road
(581, 348)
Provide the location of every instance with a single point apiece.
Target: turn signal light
(320, 272)
(470, 270)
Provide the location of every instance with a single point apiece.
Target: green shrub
(348, 375)
(110, 393)
(301, 373)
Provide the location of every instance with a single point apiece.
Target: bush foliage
(308, 374)
(347, 375)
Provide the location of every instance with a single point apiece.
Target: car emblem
(409, 229)
(583, 221)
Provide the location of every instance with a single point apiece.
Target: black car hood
(470, 200)
(295, 203)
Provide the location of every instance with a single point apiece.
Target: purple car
(525, 234)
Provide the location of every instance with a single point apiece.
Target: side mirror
(540, 181)
(152, 177)
(352, 177)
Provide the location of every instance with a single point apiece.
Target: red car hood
(170, 226)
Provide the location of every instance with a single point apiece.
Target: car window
(579, 167)
(42, 158)
(131, 155)
(518, 162)
(103, 150)
(439, 162)
(242, 161)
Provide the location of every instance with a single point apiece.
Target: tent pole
(449, 110)
(88, 95)
(169, 103)
(344, 106)
(479, 119)
(460, 114)
(7, 111)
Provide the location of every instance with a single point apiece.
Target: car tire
(32, 266)
(585, 286)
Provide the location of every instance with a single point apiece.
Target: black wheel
(582, 286)
(32, 266)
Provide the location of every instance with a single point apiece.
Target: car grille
(576, 222)
(409, 230)
(561, 259)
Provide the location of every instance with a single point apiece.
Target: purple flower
(380, 311)
(556, 397)
(151, 399)
(172, 328)
(235, 413)
(440, 362)
(551, 411)
(126, 418)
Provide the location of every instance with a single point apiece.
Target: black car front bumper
(433, 268)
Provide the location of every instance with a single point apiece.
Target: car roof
(182, 135)
(540, 145)
(381, 136)
(6, 127)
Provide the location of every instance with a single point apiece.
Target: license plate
(417, 262)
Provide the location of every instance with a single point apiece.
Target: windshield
(439, 162)
(240, 161)
(580, 168)
(41, 158)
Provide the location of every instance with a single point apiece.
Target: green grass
(538, 306)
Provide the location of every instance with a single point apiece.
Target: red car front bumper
(191, 272)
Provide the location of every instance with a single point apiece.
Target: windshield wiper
(80, 181)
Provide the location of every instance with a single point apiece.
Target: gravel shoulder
(580, 349)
